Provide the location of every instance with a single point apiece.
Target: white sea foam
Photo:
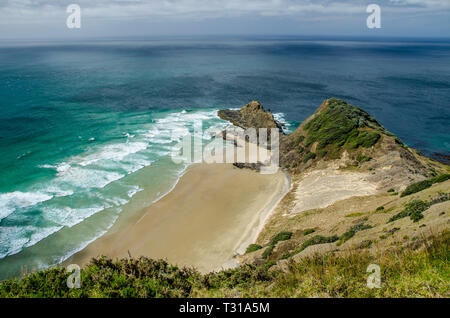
(16, 238)
(70, 217)
(11, 201)
(281, 119)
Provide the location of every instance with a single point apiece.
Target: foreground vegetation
(418, 271)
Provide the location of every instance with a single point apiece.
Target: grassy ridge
(340, 124)
(423, 272)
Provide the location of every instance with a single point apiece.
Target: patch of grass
(309, 156)
(390, 190)
(380, 208)
(366, 244)
(354, 215)
(425, 184)
(308, 231)
(252, 248)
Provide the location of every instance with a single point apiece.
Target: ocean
(87, 129)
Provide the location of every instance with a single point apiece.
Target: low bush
(309, 156)
(252, 248)
(425, 184)
(412, 209)
(318, 239)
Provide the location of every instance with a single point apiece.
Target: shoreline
(211, 214)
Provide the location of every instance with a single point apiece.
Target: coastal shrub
(441, 178)
(362, 138)
(425, 184)
(380, 208)
(407, 272)
(268, 251)
(336, 123)
(103, 277)
(308, 156)
(300, 149)
(322, 153)
(390, 190)
(299, 140)
(252, 248)
(308, 231)
(318, 239)
(417, 187)
(361, 159)
(352, 231)
(282, 236)
(412, 209)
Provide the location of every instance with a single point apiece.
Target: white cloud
(23, 11)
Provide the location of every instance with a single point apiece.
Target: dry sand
(212, 214)
(321, 188)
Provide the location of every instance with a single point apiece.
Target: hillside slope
(350, 177)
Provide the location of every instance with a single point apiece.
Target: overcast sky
(40, 19)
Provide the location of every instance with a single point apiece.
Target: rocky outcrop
(343, 136)
(251, 115)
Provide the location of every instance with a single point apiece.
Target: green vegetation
(351, 232)
(353, 215)
(425, 184)
(423, 272)
(268, 251)
(340, 124)
(308, 231)
(391, 190)
(380, 208)
(252, 248)
(308, 156)
(322, 153)
(282, 236)
(412, 209)
(361, 159)
(318, 239)
(299, 140)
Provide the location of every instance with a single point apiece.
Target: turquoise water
(87, 129)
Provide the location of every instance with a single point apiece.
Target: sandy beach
(214, 212)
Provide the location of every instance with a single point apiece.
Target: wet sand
(214, 212)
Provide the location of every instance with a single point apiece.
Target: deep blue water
(81, 124)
